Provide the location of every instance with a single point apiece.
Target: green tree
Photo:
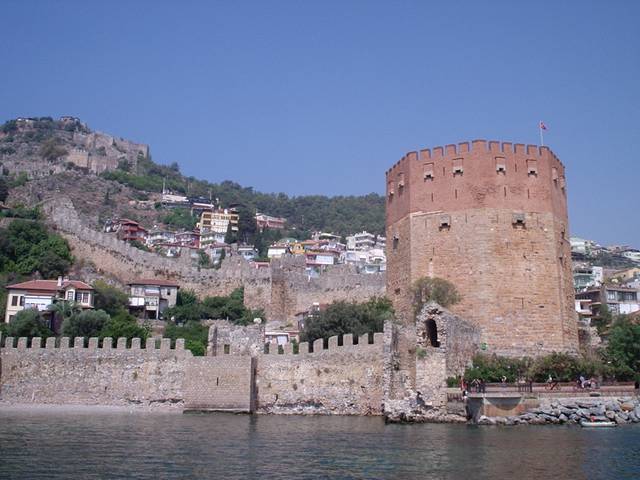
(26, 247)
(204, 260)
(247, 227)
(348, 317)
(604, 320)
(88, 323)
(64, 309)
(230, 237)
(180, 218)
(623, 349)
(109, 298)
(28, 323)
(439, 290)
(124, 325)
(194, 333)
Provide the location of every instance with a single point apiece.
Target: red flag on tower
(541, 127)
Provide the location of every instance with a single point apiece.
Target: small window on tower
(532, 167)
(445, 222)
(400, 183)
(519, 220)
(428, 171)
(457, 166)
(501, 165)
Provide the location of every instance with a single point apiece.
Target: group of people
(477, 385)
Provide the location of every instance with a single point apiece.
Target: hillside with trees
(35, 163)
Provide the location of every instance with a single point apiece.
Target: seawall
(344, 379)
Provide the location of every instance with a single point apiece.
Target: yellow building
(218, 221)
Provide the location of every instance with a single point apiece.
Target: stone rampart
(93, 375)
(346, 379)
(281, 290)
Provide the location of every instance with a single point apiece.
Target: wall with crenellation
(490, 217)
(345, 380)
(59, 374)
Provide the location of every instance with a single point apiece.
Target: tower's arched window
(432, 333)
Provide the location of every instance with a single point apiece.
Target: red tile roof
(154, 281)
(50, 285)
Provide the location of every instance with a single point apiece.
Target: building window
(14, 300)
(611, 295)
(400, 183)
(70, 295)
(532, 167)
(428, 171)
(457, 166)
(21, 300)
(501, 165)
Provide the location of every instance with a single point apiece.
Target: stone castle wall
(492, 219)
(92, 375)
(345, 379)
(347, 376)
(337, 380)
(282, 290)
(94, 151)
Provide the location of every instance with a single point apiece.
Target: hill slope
(108, 176)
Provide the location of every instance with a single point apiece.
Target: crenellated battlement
(93, 344)
(350, 344)
(479, 146)
(476, 174)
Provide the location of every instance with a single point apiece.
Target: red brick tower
(490, 217)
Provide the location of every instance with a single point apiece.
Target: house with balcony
(129, 230)
(148, 298)
(319, 258)
(160, 236)
(218, 221)
(586, 276)
(361, 241)
(40, 294)
(618, 299)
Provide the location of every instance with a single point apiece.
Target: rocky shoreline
(623, 410)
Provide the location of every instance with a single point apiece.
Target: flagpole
(541, 137)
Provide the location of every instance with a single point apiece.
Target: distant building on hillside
(619, 300)
(585, 276)
(148, 298)
(361, 241)
(266, 221)
(218, 221)
(40, 294)
(130, 230)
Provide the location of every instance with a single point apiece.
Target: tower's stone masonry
(491, 218)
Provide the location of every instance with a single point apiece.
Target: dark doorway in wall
(432, 333)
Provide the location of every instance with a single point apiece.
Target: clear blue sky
(322, 97)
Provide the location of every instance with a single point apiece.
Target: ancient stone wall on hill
(282, 290)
